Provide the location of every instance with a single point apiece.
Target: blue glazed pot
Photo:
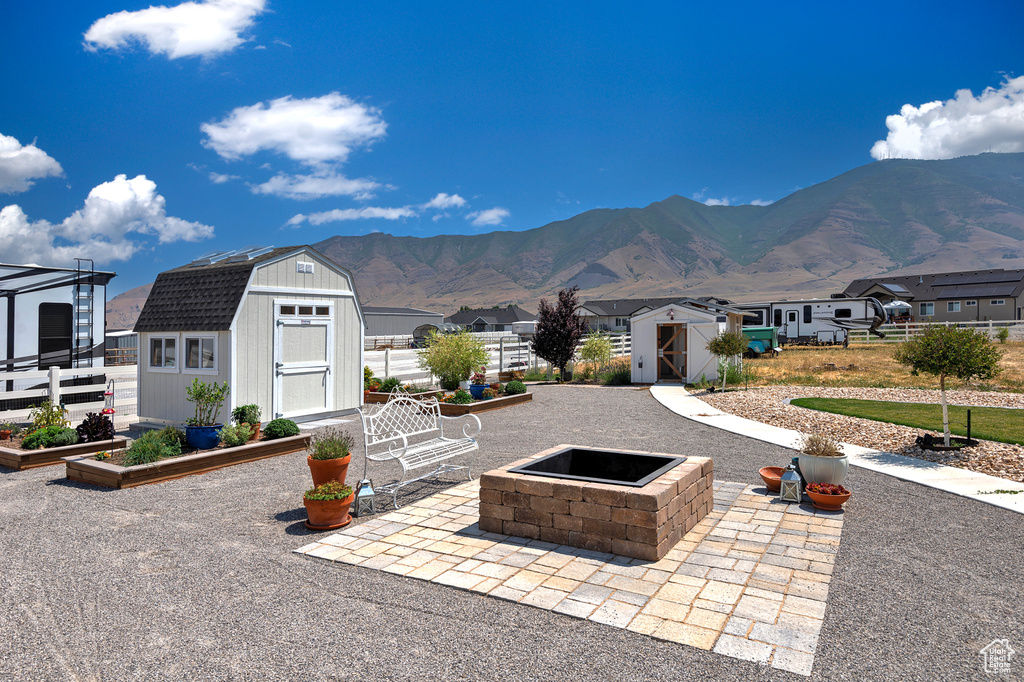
(477, 390)
(203, 437)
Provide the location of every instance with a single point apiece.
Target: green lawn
(988, 423)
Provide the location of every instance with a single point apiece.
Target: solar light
(789, 485)
(366, 501)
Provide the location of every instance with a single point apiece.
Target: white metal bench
(412, 432)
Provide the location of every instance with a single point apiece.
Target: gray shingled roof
(947, 285)
(202, 298)
(505, 315)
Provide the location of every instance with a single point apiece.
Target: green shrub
(452, 357)
(331, 443)
(620, 375)
(150, 447)
(1003, 334)
(281, 428)
(174, 437)
(331, 490)
(246, 414)
(236, 434)
(389, 385)
(94, 428)
(367, 378)
(50, 437)
(515, 388)
(48, 414)
(461, 397)
(208, 399)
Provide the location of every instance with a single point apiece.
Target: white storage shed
(670, 342)
(281, 325)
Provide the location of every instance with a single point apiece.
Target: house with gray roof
(490, 319)
(282, 326)
(974, 295)
(612, 315)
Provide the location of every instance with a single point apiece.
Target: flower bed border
(14, 458)
(453, 410)
(85, 469)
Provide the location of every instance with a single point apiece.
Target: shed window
(200, 352)
(305, 310)
(287, 310)
(323, 311)
(843, 313)
(163, 352)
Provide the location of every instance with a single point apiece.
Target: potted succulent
(248, 414)
(330, 455)
(827, 496)
(489, 394)
(203, 430)
(822, 461)
(479, 384)
(327, 506)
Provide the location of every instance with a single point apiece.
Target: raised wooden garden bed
(453, 410)
(88, 470)
(13, 458)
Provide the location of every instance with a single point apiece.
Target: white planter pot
(464, 385)
(824, 469)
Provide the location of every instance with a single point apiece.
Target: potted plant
(327, 506)
(248, 414)
(203, 430)
(821, 460)
(479, 384)
(6, 431)
(489, 394)
(827, 496)
(330, 455)
(452, 357)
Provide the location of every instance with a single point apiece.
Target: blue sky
(144, 137)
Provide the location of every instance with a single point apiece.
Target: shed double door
(672, 352)
(304, 355)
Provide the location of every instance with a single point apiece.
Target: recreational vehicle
(816, 320)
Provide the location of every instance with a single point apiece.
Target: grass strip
(1002, 424)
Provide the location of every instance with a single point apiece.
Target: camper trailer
(52, 316)
(816, 321)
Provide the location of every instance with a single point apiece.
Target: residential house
(491, 319)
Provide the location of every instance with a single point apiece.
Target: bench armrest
(469, 429)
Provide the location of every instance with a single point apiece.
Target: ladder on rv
(84, 313)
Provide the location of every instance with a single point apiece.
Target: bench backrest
(401, 416)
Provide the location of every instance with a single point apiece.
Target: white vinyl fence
(507, 353)
(897, 333)
(20, 391)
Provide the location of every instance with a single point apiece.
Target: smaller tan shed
(281, 325)
(670, 342)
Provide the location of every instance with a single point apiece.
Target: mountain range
(896, 216)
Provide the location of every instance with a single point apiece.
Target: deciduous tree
(559, 329)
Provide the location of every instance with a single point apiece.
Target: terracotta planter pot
(772, 477)
(827, 502)
(328, 514)
(324, 470)
(824, 469)
(5, 434)
(255, 434)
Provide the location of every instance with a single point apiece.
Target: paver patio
(750, 581)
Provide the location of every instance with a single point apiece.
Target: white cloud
(101, 228)
(315, 186)
(187, 30)
(444, 201)
(724, 201)
(221, 178)
(346, 214)
(313, 132)
(761, 202)
(492, 216)
(19, 165)
(992, 121)
(318, 133)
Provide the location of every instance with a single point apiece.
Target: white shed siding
(699, 327)
(162, 393)
(394, 324)
(283, 274)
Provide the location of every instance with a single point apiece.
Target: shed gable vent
(302, 266)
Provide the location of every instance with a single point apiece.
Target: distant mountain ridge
(889, 216)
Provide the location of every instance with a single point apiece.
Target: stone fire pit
(564, 501)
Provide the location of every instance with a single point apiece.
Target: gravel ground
(769, 405)
(195, 579)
